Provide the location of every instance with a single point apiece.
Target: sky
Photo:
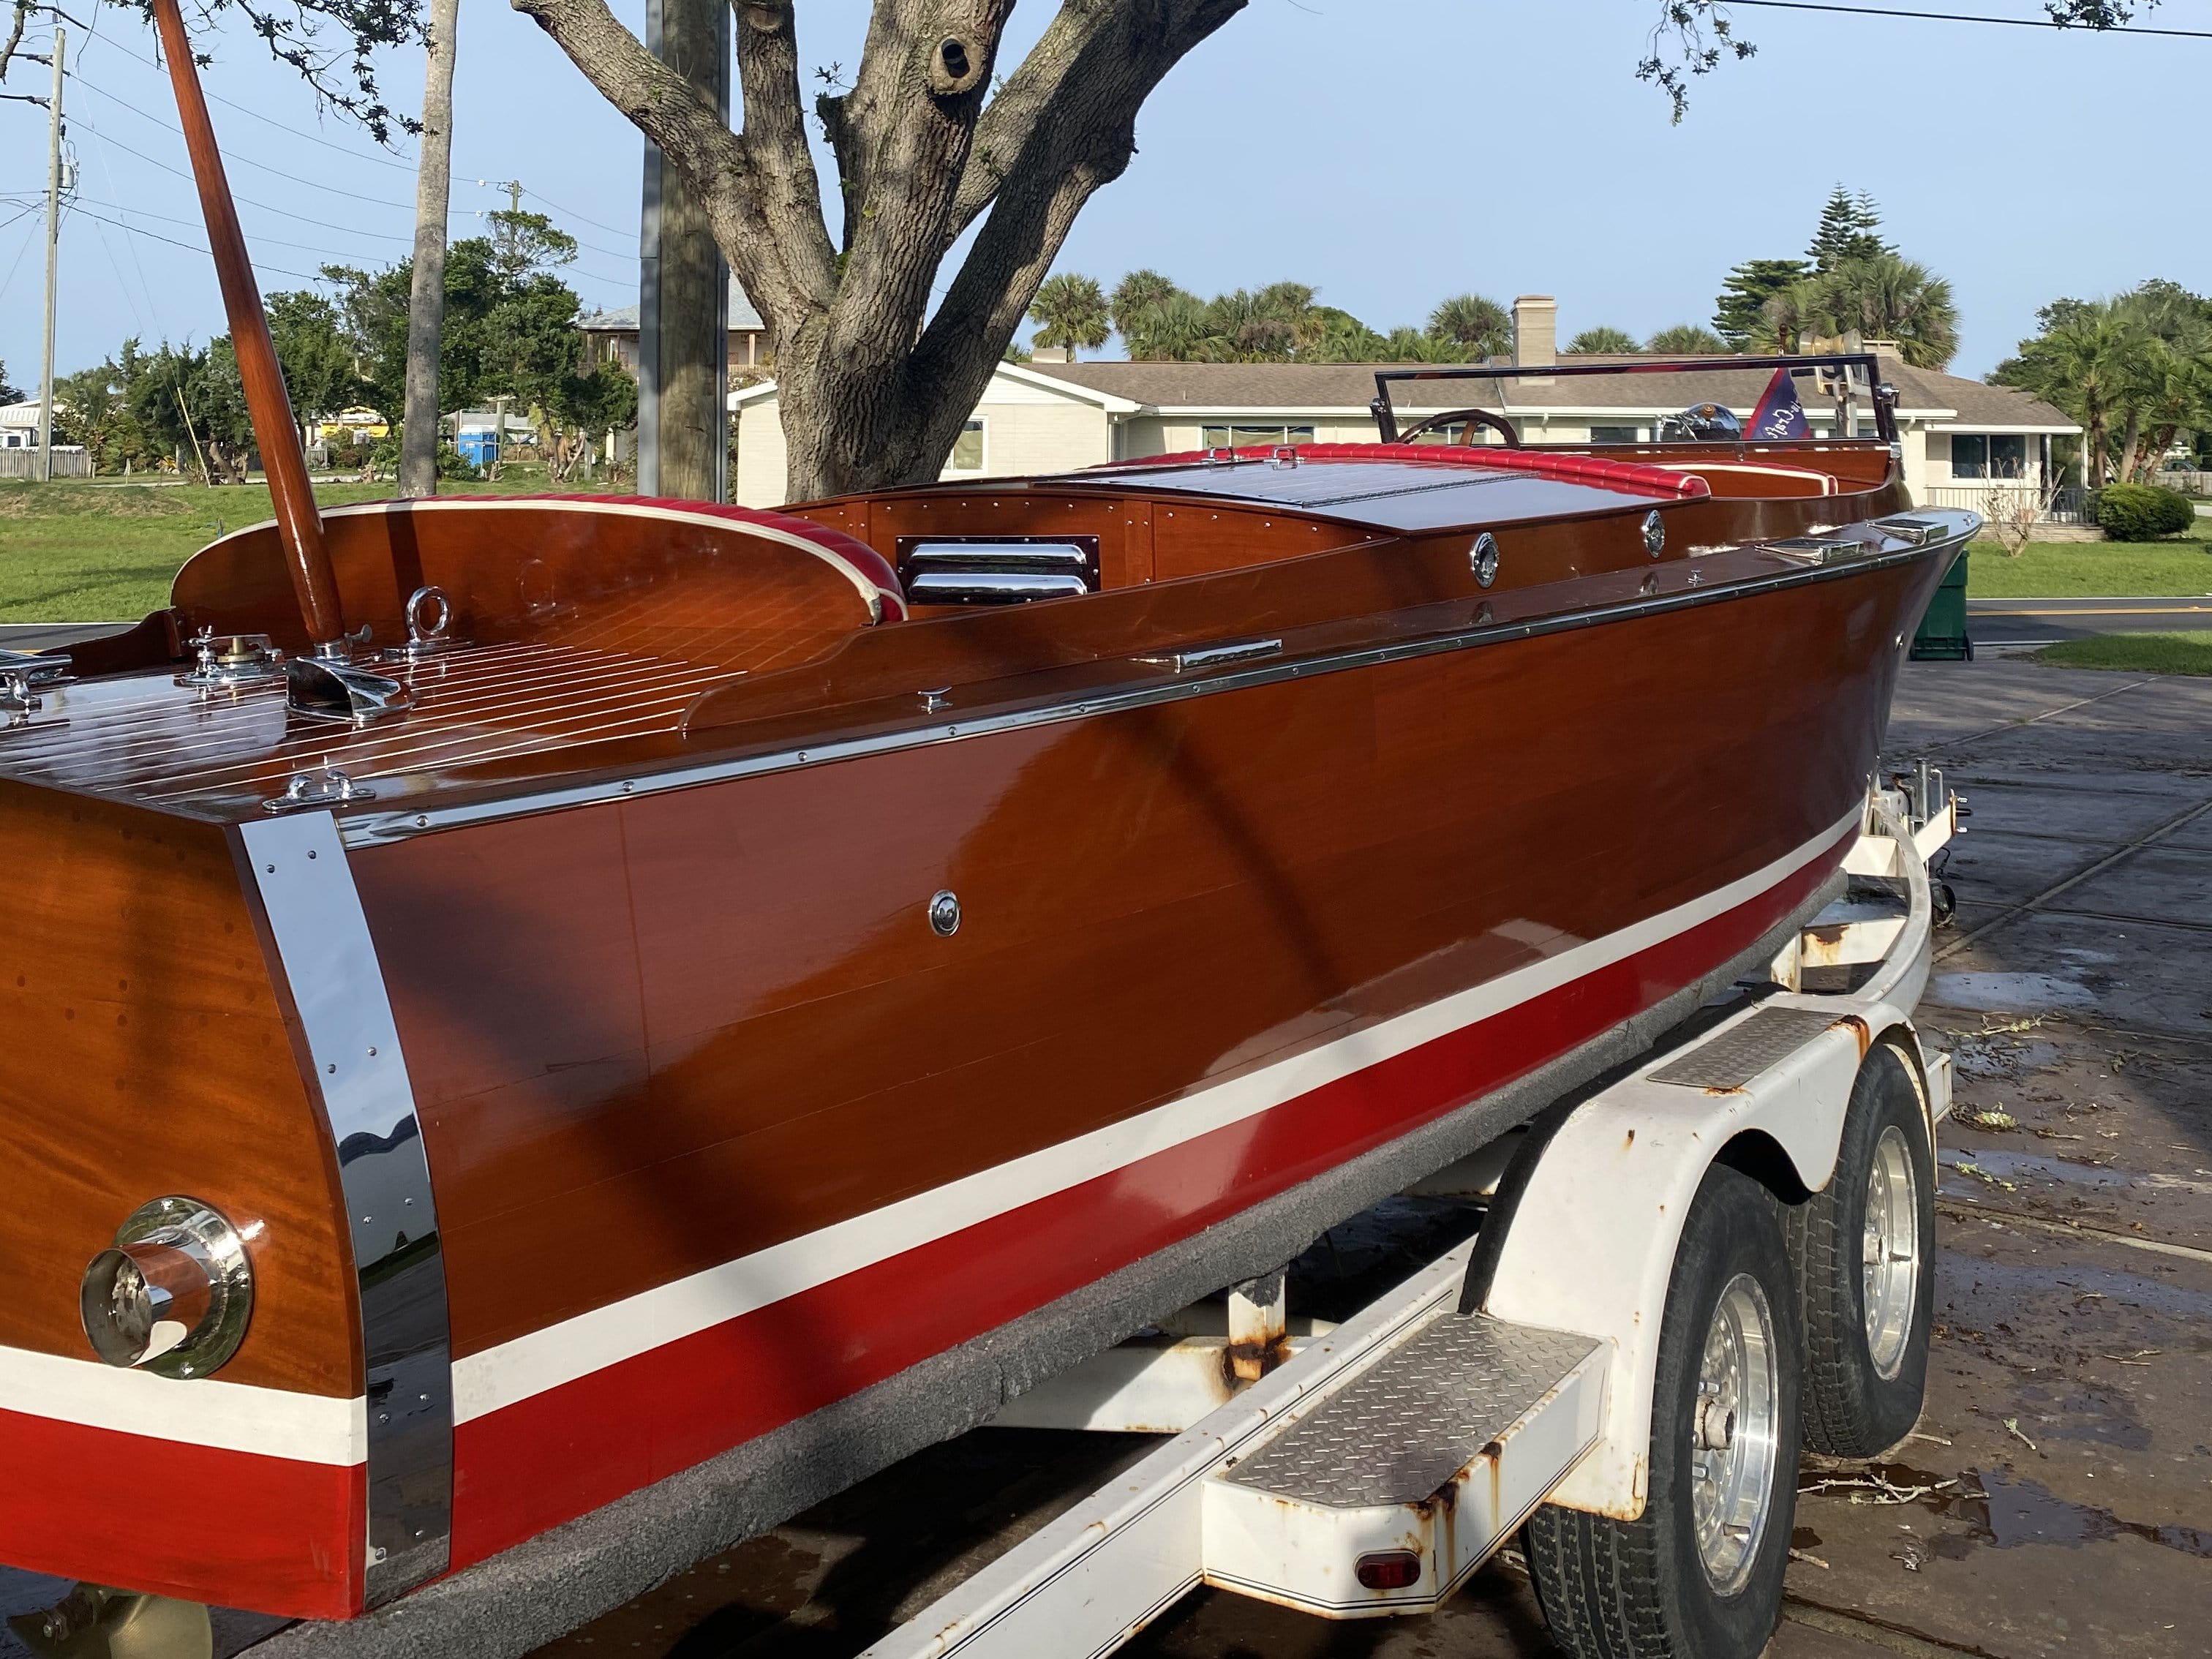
(1387, 152)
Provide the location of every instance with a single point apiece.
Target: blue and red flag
(1780, 414)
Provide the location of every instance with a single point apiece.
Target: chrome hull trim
(372, 828)
(327, 963)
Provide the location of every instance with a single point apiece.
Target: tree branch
(1078, 119)
(1038, 90)
(790, 281)
(788, 193)
(912, 116)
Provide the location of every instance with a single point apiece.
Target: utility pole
(683, 291)
(513, 189)
(53, 260)
(426, 300)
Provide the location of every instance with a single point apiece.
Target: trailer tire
(1648, 1588)
(1865, 1376)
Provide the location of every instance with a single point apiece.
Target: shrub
(2143, 512)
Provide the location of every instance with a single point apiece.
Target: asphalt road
(1995, 623)
(44, 636)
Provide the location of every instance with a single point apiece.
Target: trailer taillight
(1389, 1570)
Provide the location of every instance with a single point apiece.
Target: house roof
(1944, 399)
(745, 318)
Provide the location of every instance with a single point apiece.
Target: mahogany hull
(727, 1133)
(720, 1063)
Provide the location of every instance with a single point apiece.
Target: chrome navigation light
(174, 1293)
(1482, 559)
(1655, 533)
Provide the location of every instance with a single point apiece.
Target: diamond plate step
(1438, 1450)
(1417, 1416)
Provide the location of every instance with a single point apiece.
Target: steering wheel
(1473, 417)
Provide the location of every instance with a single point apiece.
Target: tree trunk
(2130, 446)
(426, 301)
(930, 139)
(686, 381)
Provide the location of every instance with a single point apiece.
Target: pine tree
(1740, 310)
(1850, 227)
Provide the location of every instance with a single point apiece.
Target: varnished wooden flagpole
(299, 525)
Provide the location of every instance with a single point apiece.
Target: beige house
(1961, 439)
(612, 336)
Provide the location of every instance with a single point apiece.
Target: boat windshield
(1579, 402)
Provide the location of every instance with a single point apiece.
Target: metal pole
(682, 369)
(426, 303)
(53, 260)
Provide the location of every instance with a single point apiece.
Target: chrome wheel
(1733, 1454)
(1889, 1278)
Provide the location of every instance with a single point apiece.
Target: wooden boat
(723, 984)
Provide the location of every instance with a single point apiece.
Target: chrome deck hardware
(16, 696)
(307, 790)
(429, 626)
(1214, 656)
(323, 689)
(221, 660)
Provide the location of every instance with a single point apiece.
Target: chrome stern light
(172, 1295)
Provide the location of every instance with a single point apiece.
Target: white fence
(69, 463)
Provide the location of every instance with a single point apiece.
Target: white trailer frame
(1385, 1459)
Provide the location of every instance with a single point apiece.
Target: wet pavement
(2057, 1495)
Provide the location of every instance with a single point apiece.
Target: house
(1961, 439)
(612, 336)
(19, 425)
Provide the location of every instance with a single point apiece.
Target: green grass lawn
(2052, 570)
(101, 551)
(2138, 653)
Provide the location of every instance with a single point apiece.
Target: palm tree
(1614, 341)
(1478, 326)
(1886, 297)
(1069, 310)
(1175, 329)
(1136, 297)
(2085, 362)
(1686, 340)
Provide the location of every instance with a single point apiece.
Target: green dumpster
(1942, 633)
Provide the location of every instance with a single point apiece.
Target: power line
(310, 183)
(403, 164)
(229, 156)
(1963, 17)
(612, 230)
(170, 219)
(136, 230)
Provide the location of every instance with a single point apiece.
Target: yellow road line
(2145, 611)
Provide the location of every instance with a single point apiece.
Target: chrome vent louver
(996, 569)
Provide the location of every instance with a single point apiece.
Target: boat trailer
(1382, 1461)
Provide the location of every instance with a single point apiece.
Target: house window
(1616, 434)
(968, 448)
(1990, 455)
(1241, 437)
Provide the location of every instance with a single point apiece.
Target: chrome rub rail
(375, 829)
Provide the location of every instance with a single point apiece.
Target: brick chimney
(1536, 331)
